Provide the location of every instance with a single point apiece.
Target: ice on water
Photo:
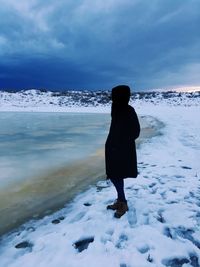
(31, 143)
(162, 227)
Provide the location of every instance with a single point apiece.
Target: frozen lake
(45, 158)
(48, 158)
(32, 143)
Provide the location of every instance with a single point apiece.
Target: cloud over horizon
(94, 44)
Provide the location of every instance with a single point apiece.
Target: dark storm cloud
(97, 44)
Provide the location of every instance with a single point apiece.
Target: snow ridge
(30, 99)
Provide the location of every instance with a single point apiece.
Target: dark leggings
(119, 186)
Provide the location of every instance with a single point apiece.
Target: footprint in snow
(87, 204)
(172, 202)
(182, 232)
(153, 190)
(197, 217)
(174, 190)
(176, 262)
(149, 258)
(83, 244)
(187, 234)
(192, 259)
(163, 195)
(57, 221)
(145, 219)
(102, 185)
(24, 245)
(152, 185)
(143, 249)
(122, 239)
(132, 217)
(179, 176)
(160, 217)
(186, 167)
(167, 232)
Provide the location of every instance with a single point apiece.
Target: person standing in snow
(120, 150)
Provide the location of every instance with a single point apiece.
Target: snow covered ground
(162, 226)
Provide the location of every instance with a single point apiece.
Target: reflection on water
(31, 143)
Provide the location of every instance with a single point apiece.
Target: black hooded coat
(120, 150)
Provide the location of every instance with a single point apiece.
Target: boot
(121, 209)
(113, 206)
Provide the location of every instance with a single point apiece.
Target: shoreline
(54, 109)
(34, 201)
(161, 226)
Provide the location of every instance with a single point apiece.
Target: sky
(96, 44)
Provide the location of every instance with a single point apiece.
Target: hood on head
(121, 94)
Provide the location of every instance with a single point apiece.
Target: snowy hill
(35, 99)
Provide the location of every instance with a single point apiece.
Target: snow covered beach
(162, 227)
(47, 158)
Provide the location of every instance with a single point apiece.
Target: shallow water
(48, 158)
(32, 143)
